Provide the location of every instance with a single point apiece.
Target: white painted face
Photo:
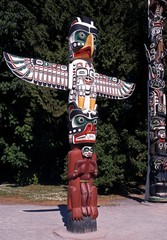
(87, 151)
(161, 134)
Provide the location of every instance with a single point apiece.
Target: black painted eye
(157, 18)
(95, 121)
(86, 149)
(155, 121)
(80, 119)
(94, 38)
(82, 35)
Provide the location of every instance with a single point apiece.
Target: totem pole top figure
(82, 39)
(153, 4)
(80, 77)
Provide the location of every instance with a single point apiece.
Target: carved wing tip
(133, 86)
(131, 90)
(37, 71)
(5, 55)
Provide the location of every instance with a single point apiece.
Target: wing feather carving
(111, 87)
(38, 72)
(52, 75)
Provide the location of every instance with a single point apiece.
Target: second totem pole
(156, 186)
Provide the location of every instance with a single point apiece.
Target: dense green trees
(33, 132)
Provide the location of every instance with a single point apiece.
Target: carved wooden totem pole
(156, 187)
(84, 85)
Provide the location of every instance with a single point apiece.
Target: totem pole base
(157, 199)
(83, 226)
(158, 192)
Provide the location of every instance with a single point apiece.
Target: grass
(34, 192)
(42, 194)
(51, 194)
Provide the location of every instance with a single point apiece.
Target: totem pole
(156, 186)
(84, 85)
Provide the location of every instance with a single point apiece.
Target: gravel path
(126, 220)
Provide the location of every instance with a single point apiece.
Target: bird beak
(90, 44)
(87, 51)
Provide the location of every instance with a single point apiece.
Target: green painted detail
(158, 199)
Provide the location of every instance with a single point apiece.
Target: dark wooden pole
(156, 186)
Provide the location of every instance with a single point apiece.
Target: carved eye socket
(86, 149)
(94, 38)
(91, 150)
(95, 121)
(161, 132)
(82, 35)
(157, 18)
(80, 119)
(155, 122)
(39, 62)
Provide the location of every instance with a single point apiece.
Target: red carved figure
(82, 195)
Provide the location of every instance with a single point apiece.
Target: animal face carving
(82, 126)
(82, 39)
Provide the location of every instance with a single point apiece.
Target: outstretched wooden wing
(38, 72)
(111, 87)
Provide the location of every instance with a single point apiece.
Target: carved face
(161, 134)
(157, 123)
(82, 126)
(87, 151)
(156, 23)
(82, 39)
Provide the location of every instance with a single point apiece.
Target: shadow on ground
(62, 208)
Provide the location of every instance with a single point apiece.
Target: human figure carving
(81, 171)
